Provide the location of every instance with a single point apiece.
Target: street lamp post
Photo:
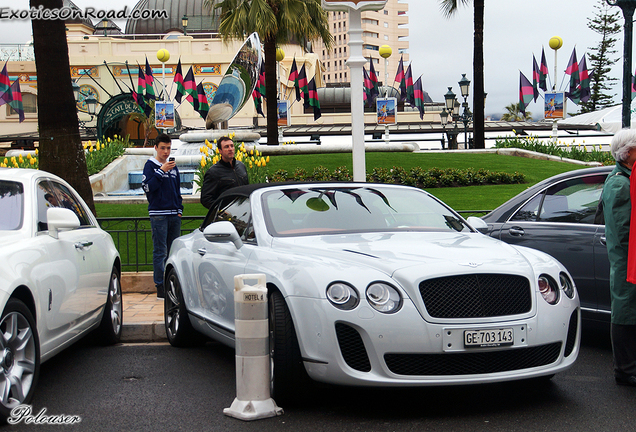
(452, 113)
(184, 24)
(627, 6)
(467, 116)
(90, 101)
(104, 24)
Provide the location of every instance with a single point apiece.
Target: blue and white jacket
(163, 190)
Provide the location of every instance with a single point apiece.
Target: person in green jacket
(617, 212)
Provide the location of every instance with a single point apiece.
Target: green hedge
(422, 178)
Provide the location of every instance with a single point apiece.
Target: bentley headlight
(566, 285)
(548, 289)
(383, 297)
(343, 296)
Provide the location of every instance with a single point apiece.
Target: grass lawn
(460, 198)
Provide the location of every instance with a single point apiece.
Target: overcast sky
(441, 48)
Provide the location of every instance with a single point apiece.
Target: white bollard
(253, 399)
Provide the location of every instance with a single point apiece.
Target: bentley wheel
(288, 375)
(109, 330)
(20, 358)
(179, 330)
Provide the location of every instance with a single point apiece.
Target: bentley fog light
(383, 297)
(548, 289)
(342, 295)
(566, 285)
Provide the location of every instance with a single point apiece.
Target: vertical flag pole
(555, 43)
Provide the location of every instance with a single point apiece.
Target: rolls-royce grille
(572, 328)
(352, 348)
(476, 296)
(482, 362)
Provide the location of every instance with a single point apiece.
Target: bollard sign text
(253, 297)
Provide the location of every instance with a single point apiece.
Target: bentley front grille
(476, 296)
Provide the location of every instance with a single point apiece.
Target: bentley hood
(438, 253)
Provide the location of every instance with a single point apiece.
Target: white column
(355, 63)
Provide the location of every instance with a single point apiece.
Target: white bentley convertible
(59, 278)
(373, 285)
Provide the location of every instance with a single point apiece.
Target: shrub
(321, 174)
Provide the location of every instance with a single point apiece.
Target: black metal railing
(133, 238)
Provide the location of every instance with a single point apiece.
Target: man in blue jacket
(161, 183)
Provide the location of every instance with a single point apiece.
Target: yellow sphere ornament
(555, 42)
(163, 55)
(385, 51)
(280, 54)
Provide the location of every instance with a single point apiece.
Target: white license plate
(488, 338)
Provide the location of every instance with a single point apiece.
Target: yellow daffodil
(267, 159)
(32, 161)
(5, 162)
(36, 152)
(21, 159)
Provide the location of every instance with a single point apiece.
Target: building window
(386, 12)
(29, 104)
(370, 21)
(386, 24)
(386, 37)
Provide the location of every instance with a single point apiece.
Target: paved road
(160, 388)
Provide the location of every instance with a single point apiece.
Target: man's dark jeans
(164, 230)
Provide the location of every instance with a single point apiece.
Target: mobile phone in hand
(171, 159)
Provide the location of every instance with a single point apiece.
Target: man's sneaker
(160, 291)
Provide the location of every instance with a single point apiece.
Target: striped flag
(312, 98)
(399, 78)
(150, 81)
(525, 92)
(258, 102)
(302, 84)
(5, 83)
(574, 93)
(261, 81)
(202, 106)
(366, 86)
(139, 96)
(190, 86)
(293, 76)
(409, 91)
(13, 97)
(535, 77)
(375, 90)
(178, 79)
(418, 94)
(584, 76)
(543, 72)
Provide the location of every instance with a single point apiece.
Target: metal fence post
(253, 399)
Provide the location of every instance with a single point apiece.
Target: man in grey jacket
(223, 175)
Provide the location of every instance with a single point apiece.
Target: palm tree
(449, 8)
(61, 151)
(276, 22)
(515, 114)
